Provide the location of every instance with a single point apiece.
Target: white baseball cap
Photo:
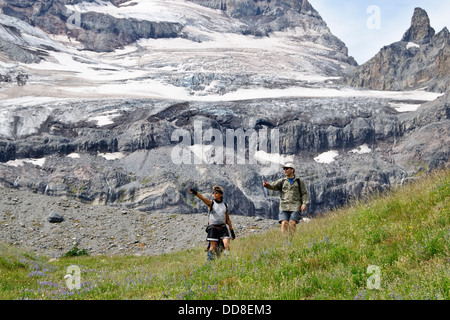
(289, 165)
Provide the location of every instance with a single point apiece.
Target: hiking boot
(210, 256)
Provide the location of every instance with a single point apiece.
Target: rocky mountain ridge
(265, 16)
(163, 49)
(100, 30)
(419, 60)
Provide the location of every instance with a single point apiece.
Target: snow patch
(404, 107)
(73, 155)
(327, 157)
(150, 10)
(112, 156)
(20, 162)
(264, 157)
(412, 45)
(362, 149)
(105, 119)
(271, 162)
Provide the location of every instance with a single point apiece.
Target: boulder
(55, 217)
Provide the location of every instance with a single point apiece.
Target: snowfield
(214, 62)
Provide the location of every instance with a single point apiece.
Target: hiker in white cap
(294, 198)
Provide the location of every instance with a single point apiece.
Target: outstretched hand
(193, 191)
(265, 184)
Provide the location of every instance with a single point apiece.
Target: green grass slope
(391, 246)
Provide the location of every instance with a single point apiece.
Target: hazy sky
(368, 25)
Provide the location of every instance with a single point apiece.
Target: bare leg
(284, 226)
(212, 245)
(292, 227)
(226, 244)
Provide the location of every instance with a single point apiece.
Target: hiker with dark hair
(219, 218)
(294, 198)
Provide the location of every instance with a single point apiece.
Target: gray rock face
(198, 50)
(420, 59)
(103, 32)
(268, 8)
(420, 31)
(145, 175)
(14, 46)
(262, 17)
(97, 31)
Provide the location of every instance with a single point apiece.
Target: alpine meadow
(403, 233)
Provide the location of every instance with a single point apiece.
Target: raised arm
(277, 185)
(206, 201)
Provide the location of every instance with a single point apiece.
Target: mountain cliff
(96, 31)
(187, 48)
(108, 25)
(419, 60)
(128, 152)
(261, 17)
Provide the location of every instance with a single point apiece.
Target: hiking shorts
(217, 232)
(289, 215)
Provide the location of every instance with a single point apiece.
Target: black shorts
(217, 232)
